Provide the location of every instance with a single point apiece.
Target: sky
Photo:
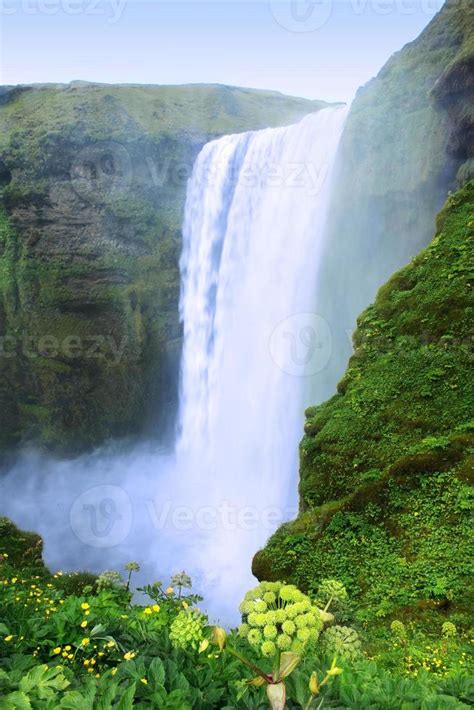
(319, 49)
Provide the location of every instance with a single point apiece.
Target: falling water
(253, 342)
(253, 236)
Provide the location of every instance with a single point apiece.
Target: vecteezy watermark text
(71, 347)
(103, 172)
(225, 516)
(112, 10)
(102, 516)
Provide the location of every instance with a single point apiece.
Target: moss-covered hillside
(386, 463)
(92, 189)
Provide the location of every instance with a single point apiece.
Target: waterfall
(253, 237)
(254, 343)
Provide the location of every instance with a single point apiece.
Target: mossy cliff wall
(385, 464)
(92, 189)
(408, 137)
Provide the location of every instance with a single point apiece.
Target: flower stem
(276, 667)
(328, 604)
(249, 664)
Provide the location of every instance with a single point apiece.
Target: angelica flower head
(342, 642)
(278, 616)
(132, 567)
(331, 589)
(108, 580)
(186, 630)
(181, 580)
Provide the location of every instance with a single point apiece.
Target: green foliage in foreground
(79, 643)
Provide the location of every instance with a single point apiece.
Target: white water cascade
(253, 237)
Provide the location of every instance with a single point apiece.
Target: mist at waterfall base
(253, 237)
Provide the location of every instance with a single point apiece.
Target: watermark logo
(102, 172)
(102, 516)
(301, 15)
(301, 345)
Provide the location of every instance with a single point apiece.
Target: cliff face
(408, 137)
(454, 93)
(385, 463)
(92, 189)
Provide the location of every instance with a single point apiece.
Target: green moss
(386, 463)
(23, 549)
(24, 553)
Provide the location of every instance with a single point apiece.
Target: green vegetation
(79, 642)
(387, 462)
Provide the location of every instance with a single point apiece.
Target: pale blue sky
(314, 48)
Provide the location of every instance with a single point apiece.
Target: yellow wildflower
(147, 610)
(8, 638)
(84, 624)
(156, 607)
(144, 681)
(169, 590)
(85, 642)
(129, 655)
(85, 605)
(113, 671)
